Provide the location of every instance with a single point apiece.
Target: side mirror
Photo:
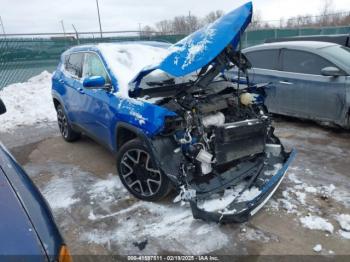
(331, 71)
(94, 82)
(2, 107)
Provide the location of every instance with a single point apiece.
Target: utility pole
(189, 22)
(3, 27)
(76, 33)
(64, 30)
(99, 18)
(140, 30)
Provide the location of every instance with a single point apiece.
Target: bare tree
(164, 27)
(256, 20)
(185, 24)
(180, 25)
(213, 16)
(193, 23)
(326, 10)
(147, 31)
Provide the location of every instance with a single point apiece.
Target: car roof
(86, 47)
(301, 45)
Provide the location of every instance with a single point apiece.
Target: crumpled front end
(237, 203)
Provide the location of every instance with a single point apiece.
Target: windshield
(341, 53)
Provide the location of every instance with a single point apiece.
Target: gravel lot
(97, 216)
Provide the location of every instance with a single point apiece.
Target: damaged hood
(201, 47)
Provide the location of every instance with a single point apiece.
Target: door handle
(61, 81)
(285, 82)
(81, 91)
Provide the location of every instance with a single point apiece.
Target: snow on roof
(126, 60)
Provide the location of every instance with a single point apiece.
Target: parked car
(306, 79)
(27, 229)
(177, 122)
(343, 40)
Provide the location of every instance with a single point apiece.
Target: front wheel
(139, 173)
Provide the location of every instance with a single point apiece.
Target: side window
(303, 62)
(93, 66)
(74, 64)
(265, 59)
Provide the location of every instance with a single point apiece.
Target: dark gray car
(308, 79)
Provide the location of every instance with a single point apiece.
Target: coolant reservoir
(247, 99)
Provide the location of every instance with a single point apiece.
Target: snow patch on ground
(175, 225)
(252, 234)
(344, 221)
(116, 220)
(59, 193)
(344, 234)
(28, 103)
(104, 190)
(318, 248)
(316, 223)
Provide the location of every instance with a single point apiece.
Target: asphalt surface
(97, 216)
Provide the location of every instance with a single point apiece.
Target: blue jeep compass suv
(173, 119)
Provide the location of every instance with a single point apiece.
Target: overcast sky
(22, 16)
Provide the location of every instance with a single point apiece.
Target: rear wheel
(139, 173)
(66, 130)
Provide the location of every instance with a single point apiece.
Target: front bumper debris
(240, 211)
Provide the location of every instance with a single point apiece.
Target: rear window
(265, 59)
(303, 62)
(74, 64)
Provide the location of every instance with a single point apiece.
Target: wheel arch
(56, 102)
(155, 146)
(125, 132)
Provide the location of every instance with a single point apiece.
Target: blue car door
(71, 80)
(303, 90)
(96, 114)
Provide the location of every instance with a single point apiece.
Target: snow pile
(126, 60)
(318, 248)
(317, 223)
(28, 103)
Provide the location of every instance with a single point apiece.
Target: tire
(139, 174)
(65, 128)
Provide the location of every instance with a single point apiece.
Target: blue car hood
(201, 47)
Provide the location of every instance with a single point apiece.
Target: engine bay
(221, 136)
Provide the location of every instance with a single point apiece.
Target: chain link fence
(24, 56)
